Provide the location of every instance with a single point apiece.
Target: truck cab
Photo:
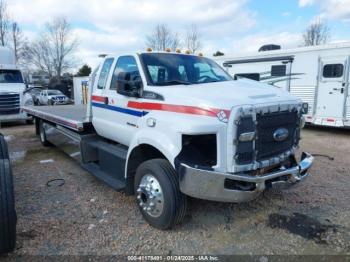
(163, 126)
(12, 89)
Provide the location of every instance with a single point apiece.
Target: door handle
(339, 89)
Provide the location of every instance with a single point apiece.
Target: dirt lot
(84, 216)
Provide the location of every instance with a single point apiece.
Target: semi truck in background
(319, 75)
(13, 91)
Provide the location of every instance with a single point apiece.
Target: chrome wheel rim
(150, 196)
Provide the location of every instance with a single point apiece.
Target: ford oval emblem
(280, 134)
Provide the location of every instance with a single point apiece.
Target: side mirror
(28, 89)
(128, 86)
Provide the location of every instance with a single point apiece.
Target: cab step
(110, 180)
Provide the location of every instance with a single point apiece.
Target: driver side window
(125, 64)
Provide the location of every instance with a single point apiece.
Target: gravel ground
(86, 217)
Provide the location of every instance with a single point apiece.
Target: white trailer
(319, 75)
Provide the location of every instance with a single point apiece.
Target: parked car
(8, 218)
(35, 93)
(53, 97)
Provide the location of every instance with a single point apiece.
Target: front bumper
(14, 117)
(210, 185)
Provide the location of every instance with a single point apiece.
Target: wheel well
(139, 155)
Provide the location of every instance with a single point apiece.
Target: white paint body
(328, 98)
(166, 134)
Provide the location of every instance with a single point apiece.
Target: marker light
(167, 50)
(178, 50)
(188, 52)
(200, 54)
(149, 49)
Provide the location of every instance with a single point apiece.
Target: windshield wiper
(173, 82)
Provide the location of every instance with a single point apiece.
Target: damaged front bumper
(212, 185)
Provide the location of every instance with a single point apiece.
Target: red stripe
(178, 109)
(98, 98)
(330, 120)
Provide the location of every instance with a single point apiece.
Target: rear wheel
(42, 134)
(158, 195)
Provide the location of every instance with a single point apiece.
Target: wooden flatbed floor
(70, 116)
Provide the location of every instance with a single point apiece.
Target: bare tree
(316, 34)
(39, 55)
(193, 39)
(4, 22)
(162, 38)
(19, 43)
(53, 52)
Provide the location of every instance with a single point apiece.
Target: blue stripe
(121, 109)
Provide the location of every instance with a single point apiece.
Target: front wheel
(158, 194)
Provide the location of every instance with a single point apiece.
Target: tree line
(162, 38)
(53, 50)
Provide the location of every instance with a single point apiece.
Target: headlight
(29, 102)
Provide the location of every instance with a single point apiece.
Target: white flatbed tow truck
(163, 126)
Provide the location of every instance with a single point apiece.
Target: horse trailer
(319, 75)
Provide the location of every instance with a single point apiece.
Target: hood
(13, 88)
(224, 95)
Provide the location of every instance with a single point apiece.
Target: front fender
(168, 144)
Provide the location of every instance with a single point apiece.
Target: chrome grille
(266, 146)
(264, 149)
(9, 103)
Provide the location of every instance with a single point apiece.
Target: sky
(231, 26)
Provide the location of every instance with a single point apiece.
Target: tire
(8, 218)
(42, 134)
(30, 121)
(160, 175)
(4, 154)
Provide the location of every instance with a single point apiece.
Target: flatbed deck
(70, 116)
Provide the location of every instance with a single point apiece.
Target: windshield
(54, 92)
(173, 69)
(10, 77)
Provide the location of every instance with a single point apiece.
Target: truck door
(98, 101)
(118, 116)
(333, 82)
